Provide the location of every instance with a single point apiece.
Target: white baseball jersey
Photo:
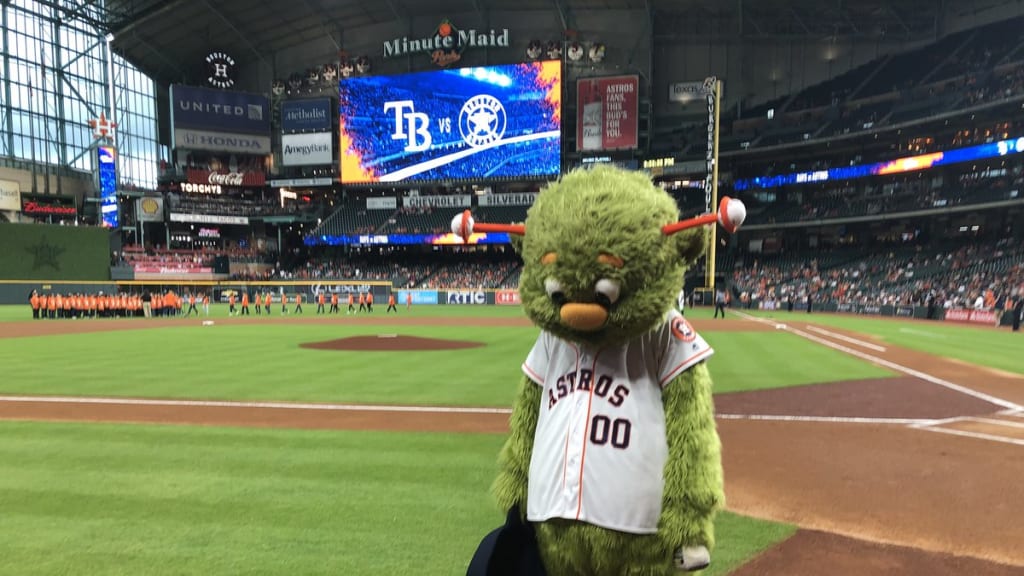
(600, 449)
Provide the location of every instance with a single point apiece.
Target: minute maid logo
(447, 43)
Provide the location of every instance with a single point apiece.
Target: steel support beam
(316, 9)
(564, 16)
(241, 35)
(69, 14)
(6, 81)
(132, 21)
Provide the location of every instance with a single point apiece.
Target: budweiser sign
(219, 178)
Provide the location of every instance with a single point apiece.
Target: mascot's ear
(517, 242)
(691, 244)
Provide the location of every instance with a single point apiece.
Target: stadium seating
(353, 217)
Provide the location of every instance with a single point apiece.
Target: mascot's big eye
(555, 291)
(607, 291)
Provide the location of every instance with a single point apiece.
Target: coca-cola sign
(224, 178)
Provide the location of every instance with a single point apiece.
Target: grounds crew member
(334, 303)
(298, 303)
(321, 299)
(391, 303)
(351, 303)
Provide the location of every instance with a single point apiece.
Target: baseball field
(366, 444)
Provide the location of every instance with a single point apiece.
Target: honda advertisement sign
(607, 113)
(190, 139)
(306, 115)
(307, 149)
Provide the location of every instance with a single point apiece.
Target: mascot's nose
(585, 317)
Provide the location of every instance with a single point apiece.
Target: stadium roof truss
(159, 35)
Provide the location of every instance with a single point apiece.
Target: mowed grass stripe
(105, 499)
(982, 346)
(759, 361)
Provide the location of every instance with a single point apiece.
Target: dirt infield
(881, 398)
(918, 474)
(390, 343)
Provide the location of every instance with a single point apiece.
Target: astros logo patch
(682, 330)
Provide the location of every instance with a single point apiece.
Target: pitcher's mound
(390, 343)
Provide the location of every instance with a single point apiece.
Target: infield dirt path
(880, 496)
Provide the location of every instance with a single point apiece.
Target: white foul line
(891, 365)
(829, 419)
(846, 338)
(268, 405)
(977, 435)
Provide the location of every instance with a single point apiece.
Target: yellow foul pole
(710, 280)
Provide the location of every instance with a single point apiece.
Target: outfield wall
(48, 252)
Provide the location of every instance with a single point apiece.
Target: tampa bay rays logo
(482, 120)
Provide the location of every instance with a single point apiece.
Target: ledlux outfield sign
(445, 46)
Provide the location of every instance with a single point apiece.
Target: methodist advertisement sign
(607, 113)
(307, 149)
(10, 195)
(312, 115)
(220, 120)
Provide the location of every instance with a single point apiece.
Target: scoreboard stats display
(106, 168)
(468, 123)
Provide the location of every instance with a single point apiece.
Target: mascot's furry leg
(692, 493)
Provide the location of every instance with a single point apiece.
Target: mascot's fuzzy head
(604, 254)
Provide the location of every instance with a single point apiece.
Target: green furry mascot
(613, 464)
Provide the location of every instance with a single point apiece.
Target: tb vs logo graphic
(410, 125)
(482, 122)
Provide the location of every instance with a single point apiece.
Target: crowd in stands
(987, 276)
(159, 256)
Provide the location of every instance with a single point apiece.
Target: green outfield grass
(104, 499)
(264, 361)
(984, 346)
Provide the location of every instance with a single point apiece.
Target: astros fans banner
(972, 316)
(606, 110)
(486, 122)
(307, 149)
(150, 209)
(10, 195)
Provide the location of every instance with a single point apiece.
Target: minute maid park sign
(447, 43)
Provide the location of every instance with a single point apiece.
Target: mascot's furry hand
(613, 455)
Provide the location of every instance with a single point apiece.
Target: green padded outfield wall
(47, 252)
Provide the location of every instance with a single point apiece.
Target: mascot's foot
(692, 558)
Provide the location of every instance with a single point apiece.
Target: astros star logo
(45, 254)
(482, 120)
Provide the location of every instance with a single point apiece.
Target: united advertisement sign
(607, 113)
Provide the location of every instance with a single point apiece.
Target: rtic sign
(467, 297)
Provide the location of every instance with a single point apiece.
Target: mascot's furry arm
(510, 486)
(693, 474)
